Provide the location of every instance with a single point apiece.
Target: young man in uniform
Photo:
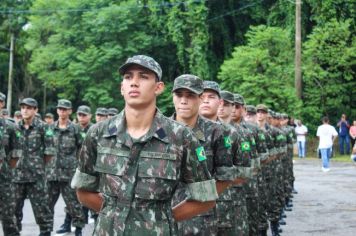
(29, 173)
(67, 141)
(101, 114)
(131, 165)
(12, 145)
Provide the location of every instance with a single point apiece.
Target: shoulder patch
(227, 141)
(49, 132)
(201, 153)
(18, 134)
(245, 146)
(262, 136)
(83, 134)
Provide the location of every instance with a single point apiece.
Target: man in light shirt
(327, 135)
(301, 132)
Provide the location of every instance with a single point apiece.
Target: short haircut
(325, 119)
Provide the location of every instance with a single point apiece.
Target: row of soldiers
(247, 150)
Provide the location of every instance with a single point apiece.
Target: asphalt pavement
(325, 204)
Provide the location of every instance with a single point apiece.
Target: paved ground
(325, 204)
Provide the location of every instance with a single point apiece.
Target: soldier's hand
(47, 159)
(13, 162)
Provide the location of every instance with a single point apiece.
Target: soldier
(112, 112)
(29, 173)
(130, 165)
(17, 116)
(101, 114)
(61, 169)
(49, 118)
(187, 90)
(212, 101)
(12, 145)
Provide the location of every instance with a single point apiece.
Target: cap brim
(27, 104)
(188, 88)
(82, 112)
(64, 107)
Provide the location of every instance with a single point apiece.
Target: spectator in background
(301, 131)
(327, 135)
(344, 138)
(352, 133)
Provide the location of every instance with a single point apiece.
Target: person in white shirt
(301, 131)
(327, 135)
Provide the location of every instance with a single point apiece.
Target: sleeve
(223, 156)
(86, 177)
(15, 142)
(334, 132)
(49, 150)
(318, 132)
(241, 170)
(195, 174)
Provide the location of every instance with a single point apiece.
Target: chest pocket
(157, 173)
(68, 145)
(34, 142)
(112, 161)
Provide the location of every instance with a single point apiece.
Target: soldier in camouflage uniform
(131, 165)
(186, 92)
(259, 147)
(12, 145)
(61, 169)
(211, 103)
(248, 148)
(112, 112)
(263, 154)
(29, 173)
(101, 114)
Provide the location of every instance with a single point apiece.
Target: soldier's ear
(159, 88)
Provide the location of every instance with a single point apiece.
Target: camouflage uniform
(62, 168)
(138, 177)
(12, 145)
(257, 186)
(217, 146)
(29, 174)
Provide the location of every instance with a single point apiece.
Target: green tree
(329, 72)
(262, 71)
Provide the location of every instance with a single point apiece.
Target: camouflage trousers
(286, 177)
(263, 197)
(242, 226)
(226, 213)
(290, 170)
(277, 191)
(55, 188)
(7, 208)
(252, 205)
(199, 225)
(38, 195)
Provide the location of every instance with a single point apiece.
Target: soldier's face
(261, 115)
(225, 110)
(250, 117)
(99, 118)
(28, 112)
(140, 87)
(186, 103)
(2, 104)
(49, 120)
(238, 112)
(63, 113)
(210, 102)
(83, 119)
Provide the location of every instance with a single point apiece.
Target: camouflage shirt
(138, 177)
(37, 141)
(67, 143)
(12, 145)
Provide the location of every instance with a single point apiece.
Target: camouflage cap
(144, 61)
(5, 112)
(251, 109)
(212, 85)
(191, 82)
(284, 116)
(17, 113)
(64, 103)
(50, 115)
(84, 110)
(112, 111)
(278, 115)
(262, 107)
(238, 98)
(227, 96)
(102, 111)
(2, 97)
(29, 102)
